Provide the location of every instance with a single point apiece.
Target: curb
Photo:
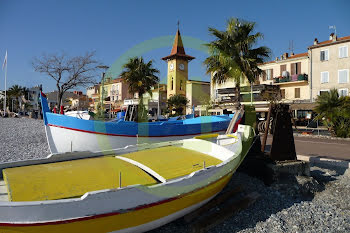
(319, 160)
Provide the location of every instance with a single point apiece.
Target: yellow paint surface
(171, 161)
(129, 219)
(71, 179)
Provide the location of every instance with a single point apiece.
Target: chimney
(276, 59)
(291, 54)
(315, 41)
(333, 37)
(284, 56)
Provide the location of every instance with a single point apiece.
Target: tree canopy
(68, 72)
(140, 76)
(234, 55)
(177, 103)
(335, 112)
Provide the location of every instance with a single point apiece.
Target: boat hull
(67, 134)
(61, 140)
(138, 220)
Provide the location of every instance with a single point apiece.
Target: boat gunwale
(91, 194)
(84, 218)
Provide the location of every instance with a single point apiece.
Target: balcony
(293, 79)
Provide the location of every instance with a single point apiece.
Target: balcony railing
(292, 78)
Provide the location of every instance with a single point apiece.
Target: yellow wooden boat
(133, 189)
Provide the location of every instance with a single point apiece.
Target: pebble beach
(277, 210)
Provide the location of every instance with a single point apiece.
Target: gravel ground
(22, 138)
(328, 210)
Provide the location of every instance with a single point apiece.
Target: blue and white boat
(67, 133)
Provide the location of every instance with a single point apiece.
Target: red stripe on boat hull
(121, 135)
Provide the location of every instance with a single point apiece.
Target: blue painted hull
(66, 133)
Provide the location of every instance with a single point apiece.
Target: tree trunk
(60, 96)
(238, 95)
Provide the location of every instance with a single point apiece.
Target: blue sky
(114, 28)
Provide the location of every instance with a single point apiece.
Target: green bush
(335, 113)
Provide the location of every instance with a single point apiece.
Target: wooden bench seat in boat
(172, 161)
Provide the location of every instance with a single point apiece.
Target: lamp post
(102, 83)
(158, 112)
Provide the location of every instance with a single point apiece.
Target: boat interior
(73, 178)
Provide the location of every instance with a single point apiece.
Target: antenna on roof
(291, 47)
(335, 29)
(178, 24)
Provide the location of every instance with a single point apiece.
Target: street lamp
(102, 83)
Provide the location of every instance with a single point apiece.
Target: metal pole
(12, 106)
(251, 94)
(5, 86)
(266, 129)
(158, 112)
(120, 179)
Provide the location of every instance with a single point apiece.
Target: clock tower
(177, 68)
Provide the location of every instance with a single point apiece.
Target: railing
(292, 78)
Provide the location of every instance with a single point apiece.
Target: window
(269, 74)
(324, 77)
(180, 85)
(295, 68)
(322, 92)
(343, 51)
(296, 92)
(283, 93)
(343, 92)
(324, 55)
(343, 76)
(172, 83)
(283, 68)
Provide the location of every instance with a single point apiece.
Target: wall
(332, 66)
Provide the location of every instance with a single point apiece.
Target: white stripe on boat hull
(63, 140)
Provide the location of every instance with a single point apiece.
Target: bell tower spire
(177, 66)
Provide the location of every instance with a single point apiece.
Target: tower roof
(178, 50)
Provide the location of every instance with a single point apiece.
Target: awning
(303, 106)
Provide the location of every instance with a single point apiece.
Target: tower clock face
(171, 66)
(182, 66)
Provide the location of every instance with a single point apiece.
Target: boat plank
(172, 161)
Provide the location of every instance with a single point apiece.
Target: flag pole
(5, 82)
(5, 87)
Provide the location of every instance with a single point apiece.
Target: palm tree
(140, 77)
(327, 103)
(177, 103)
(233, 54)
(15, 92)
(335, 111)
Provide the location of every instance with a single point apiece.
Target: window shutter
(297, 93)
(271, 73)
(283, 93)
(343, 76)
(264, 75)
(283, 68)
(324, 77)
(298, 68)
(292, 68)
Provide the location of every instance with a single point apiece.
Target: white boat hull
(63, 140)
